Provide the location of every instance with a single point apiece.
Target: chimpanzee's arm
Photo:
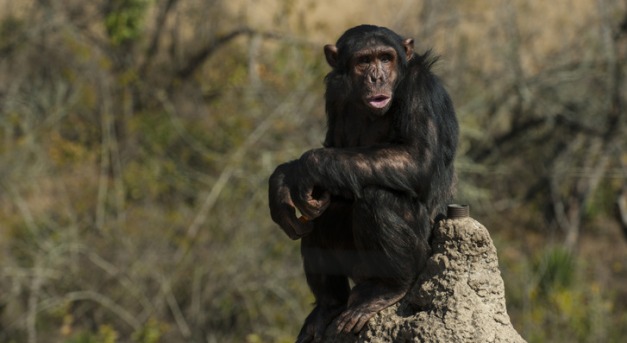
(397, 167)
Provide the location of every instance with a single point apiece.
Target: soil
(459, 297)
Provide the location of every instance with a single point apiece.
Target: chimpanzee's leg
(328, 256)
(391, 233)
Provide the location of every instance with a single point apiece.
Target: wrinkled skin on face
(374, 72)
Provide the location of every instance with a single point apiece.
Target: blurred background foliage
(137, 136)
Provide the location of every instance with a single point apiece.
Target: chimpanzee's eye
(363, 59)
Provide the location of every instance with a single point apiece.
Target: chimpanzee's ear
(330, 52)
(408, 44)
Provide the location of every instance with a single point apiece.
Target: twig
(201, 56)
(101, 299)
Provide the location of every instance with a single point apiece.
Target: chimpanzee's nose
(376, 75)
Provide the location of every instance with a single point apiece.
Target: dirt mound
(459, 297)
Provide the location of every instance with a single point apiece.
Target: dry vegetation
(136, 138)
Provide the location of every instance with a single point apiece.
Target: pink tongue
(379, 102)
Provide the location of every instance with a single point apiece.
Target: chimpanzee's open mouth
(379, 101)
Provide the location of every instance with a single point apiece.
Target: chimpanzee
(368, 198)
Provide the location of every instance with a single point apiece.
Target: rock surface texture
(459, 297)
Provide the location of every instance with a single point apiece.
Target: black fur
(384, 188)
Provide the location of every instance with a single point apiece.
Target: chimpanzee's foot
(366, 299)
(316, 324)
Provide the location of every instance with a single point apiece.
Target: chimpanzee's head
(375, 59)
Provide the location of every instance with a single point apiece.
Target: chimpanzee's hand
(282, 208)
(312, 201)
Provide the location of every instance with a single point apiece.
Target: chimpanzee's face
(374, 73)
(374, 69)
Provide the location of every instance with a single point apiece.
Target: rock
(459, 297)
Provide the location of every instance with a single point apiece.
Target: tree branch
(154, 42)
(201, 56)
